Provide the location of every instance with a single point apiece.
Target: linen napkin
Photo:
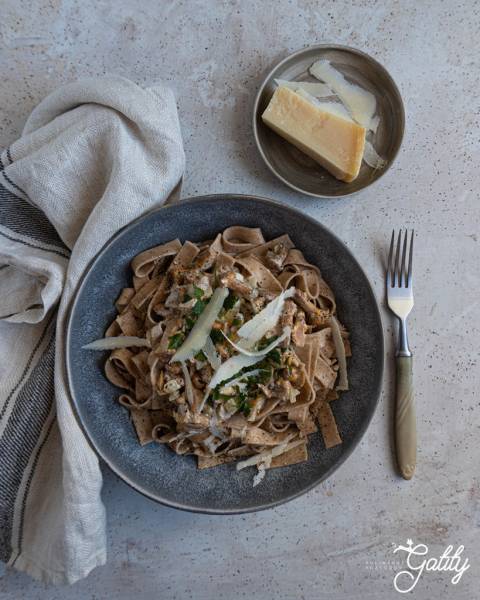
(93, 156)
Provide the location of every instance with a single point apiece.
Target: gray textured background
(335, 542)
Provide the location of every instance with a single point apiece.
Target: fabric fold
(93, 156)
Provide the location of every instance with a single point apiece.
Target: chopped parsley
(200, 356)
(275, 356)
(262, 377)
(199, 307)
(230, 301)
(216, 336)
(175, 341)
(265, 374)
(189, 322)
(197, 295)
(237, 322)
(243, 404)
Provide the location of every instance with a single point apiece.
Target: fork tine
(403, 273)
(390, 263)
(396, 274)
(410, 260)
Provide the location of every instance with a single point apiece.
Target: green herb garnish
(230, 301)
(265, 374)
(200, 356)
(175, 341)
(189, 322)
(199, 307)
(197, 293)
(216, 336)
(243, 405)
(262, 377)
(237, 322)
(275, 356)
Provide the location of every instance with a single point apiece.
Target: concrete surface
(335, 542)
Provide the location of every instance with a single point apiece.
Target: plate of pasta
(224, 354)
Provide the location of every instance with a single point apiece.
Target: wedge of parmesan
(333, 141)
(370, 155)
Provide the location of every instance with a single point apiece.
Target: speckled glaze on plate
(155, 470)
(298, 170)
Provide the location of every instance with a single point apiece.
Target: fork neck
(403, 347)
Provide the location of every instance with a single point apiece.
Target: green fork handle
(405, 426)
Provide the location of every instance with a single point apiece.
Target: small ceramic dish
(298, 170)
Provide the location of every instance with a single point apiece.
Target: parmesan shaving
(335, 108)
(361, 103)
(242, 377)
(318, 90)
(375, 122)
(268, 454)
(262, 469)
(211, 353)
(260, 353)
(114, 342)
(340, 352)
(231, 367)
(201, 330)
(253, 330)
(372, 158)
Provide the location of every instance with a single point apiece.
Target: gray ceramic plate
(295, 168)
(155, 470)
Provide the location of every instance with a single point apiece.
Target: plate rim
(268, 77)
(67, 362)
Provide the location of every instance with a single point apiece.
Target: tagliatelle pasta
(228, 349)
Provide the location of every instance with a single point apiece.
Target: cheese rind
(334, 142)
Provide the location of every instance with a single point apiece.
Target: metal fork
(400, 302)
